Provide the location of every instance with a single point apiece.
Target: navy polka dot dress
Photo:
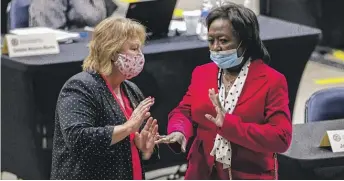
(86, 114)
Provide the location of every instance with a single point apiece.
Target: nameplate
(333, 139)
(30, 45)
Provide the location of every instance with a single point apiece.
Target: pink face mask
(130, 65)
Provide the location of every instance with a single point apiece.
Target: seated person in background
(69, 14)
(101, 130)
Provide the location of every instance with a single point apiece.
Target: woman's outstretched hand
(172, 138)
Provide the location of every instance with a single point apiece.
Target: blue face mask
(226, 59)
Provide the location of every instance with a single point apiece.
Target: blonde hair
(107, 39)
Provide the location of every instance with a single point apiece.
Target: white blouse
(222, 147)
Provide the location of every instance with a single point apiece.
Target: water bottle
(206, 7)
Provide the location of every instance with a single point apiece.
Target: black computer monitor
(155, 15)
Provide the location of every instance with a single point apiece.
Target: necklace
(228, 82)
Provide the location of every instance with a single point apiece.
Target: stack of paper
(61, 36)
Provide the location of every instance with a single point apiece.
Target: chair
(326, 104)
(18, 14)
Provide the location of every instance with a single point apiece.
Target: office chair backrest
(326, 104)
(18, 14)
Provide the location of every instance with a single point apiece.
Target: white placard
(34, 44)
(335, 139)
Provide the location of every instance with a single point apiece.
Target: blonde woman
(100, 127)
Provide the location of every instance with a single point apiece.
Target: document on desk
(61, 36)
(177, 25)
(333, 139)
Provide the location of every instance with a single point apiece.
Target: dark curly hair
(245, 28)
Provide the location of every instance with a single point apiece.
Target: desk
(304, 154)
(30, 87)
(298, 163)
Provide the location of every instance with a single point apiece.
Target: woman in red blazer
(239, 104)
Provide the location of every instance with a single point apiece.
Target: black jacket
(86, 114)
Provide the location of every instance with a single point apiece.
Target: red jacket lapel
(256, 78)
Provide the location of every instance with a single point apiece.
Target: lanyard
(114, 95)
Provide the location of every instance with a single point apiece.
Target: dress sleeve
(179, 119)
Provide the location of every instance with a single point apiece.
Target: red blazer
(259, 126)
